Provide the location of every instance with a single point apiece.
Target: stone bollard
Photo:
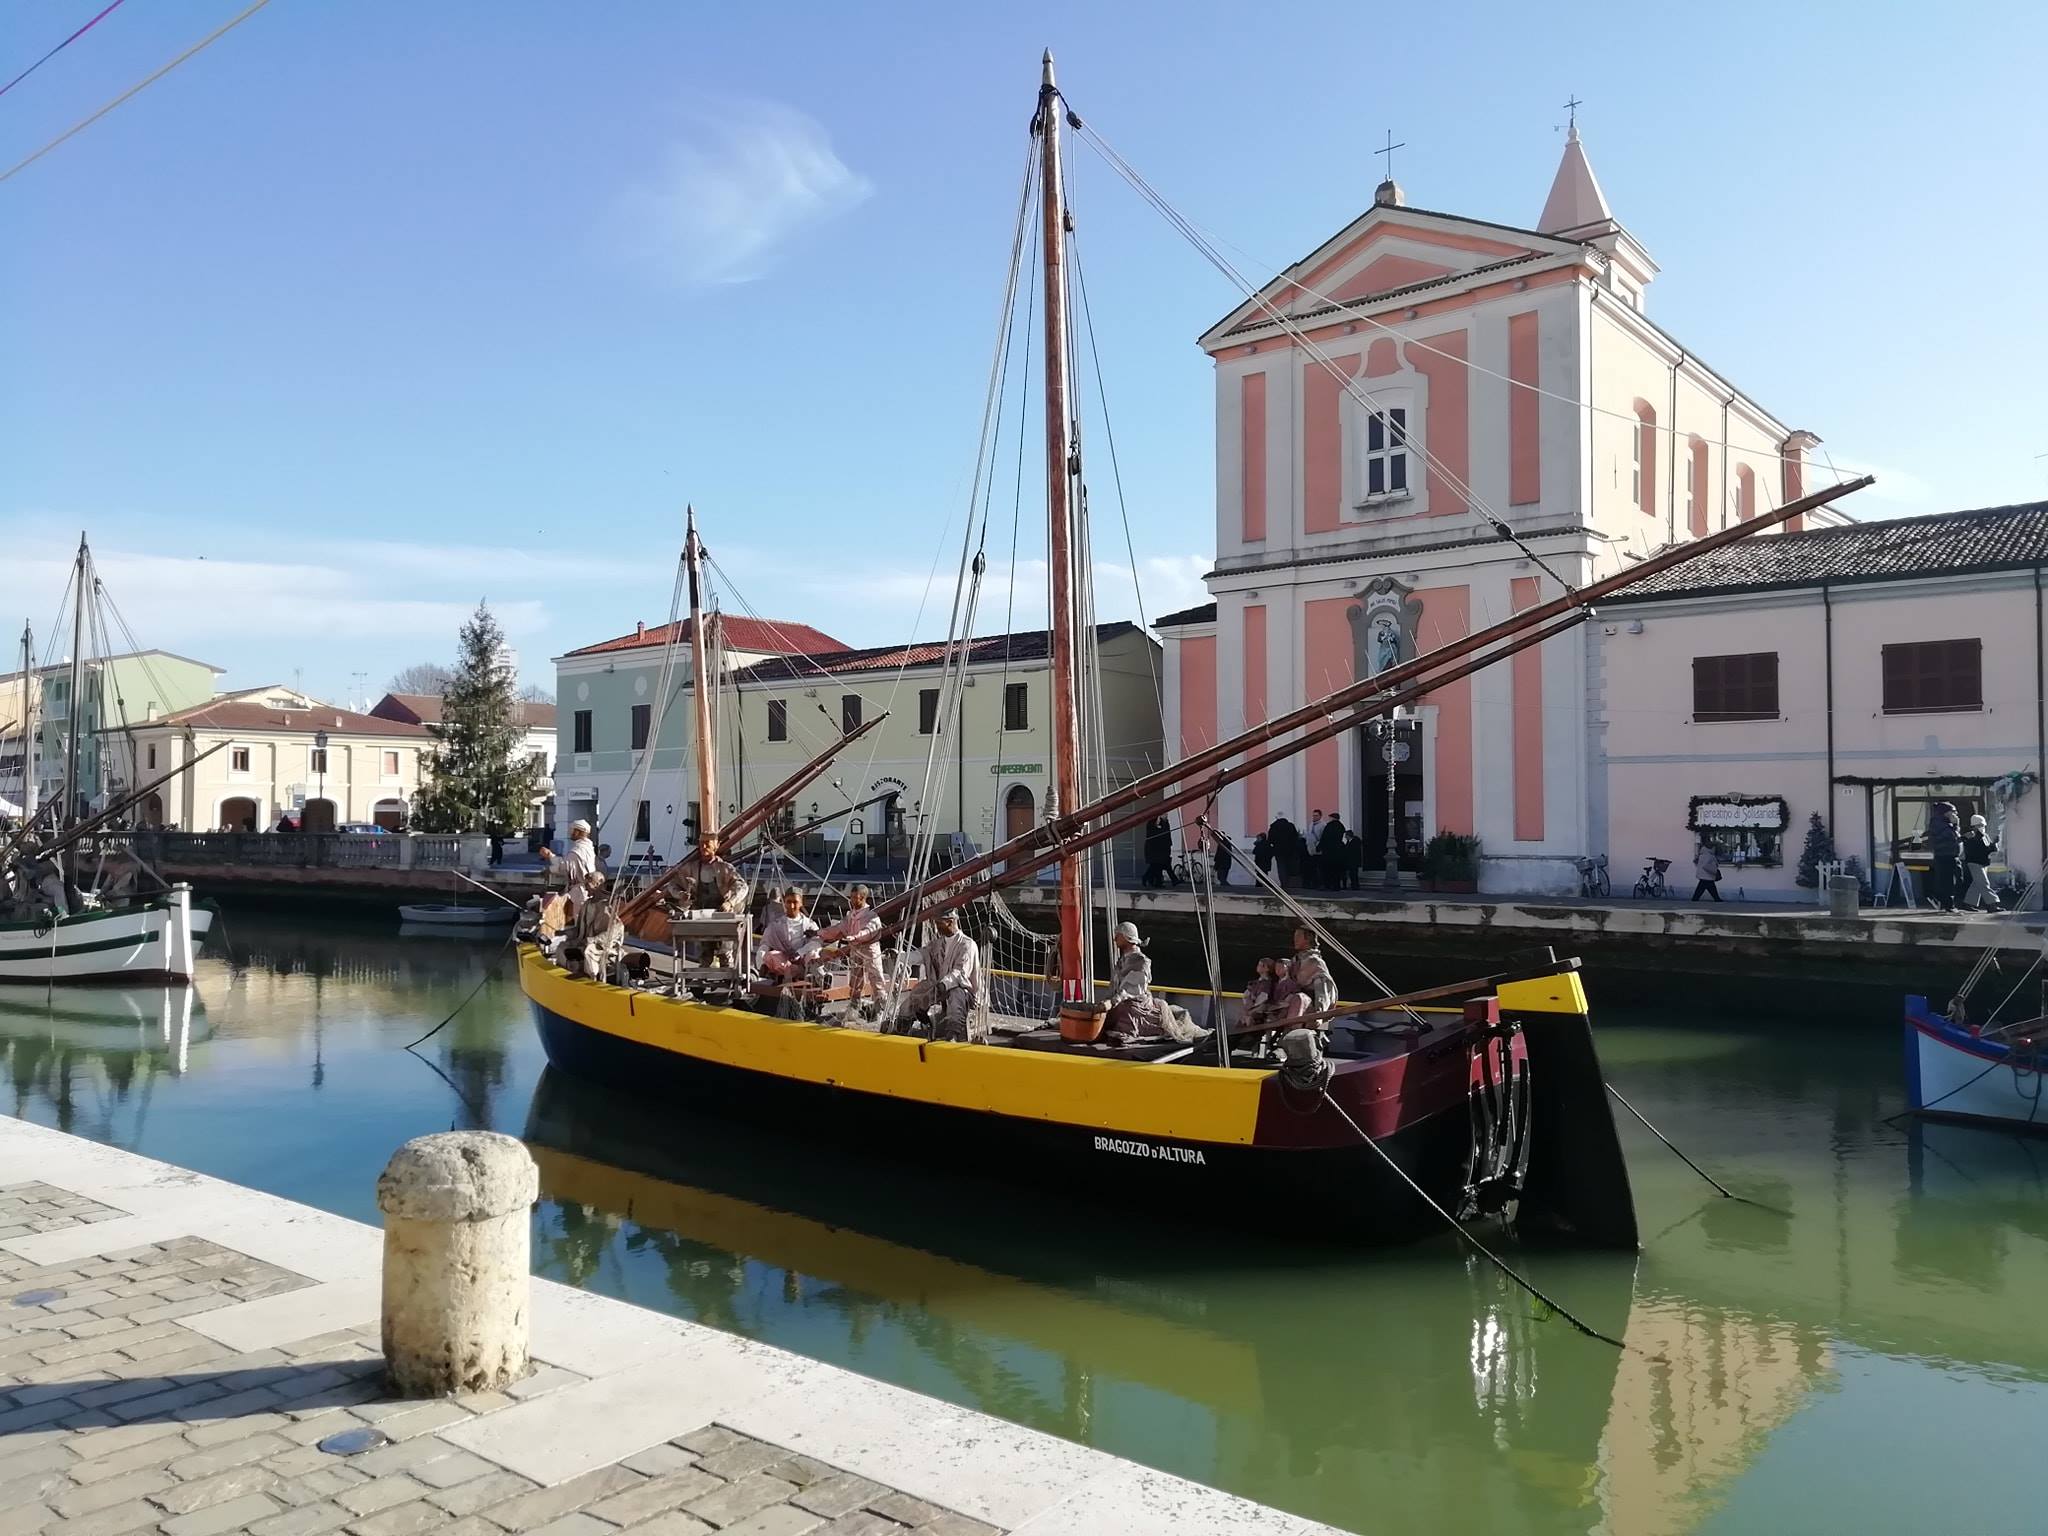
(456, 1250)
(1845, 894)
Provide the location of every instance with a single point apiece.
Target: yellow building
(283, 753)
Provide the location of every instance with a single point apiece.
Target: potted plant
(1450, 862)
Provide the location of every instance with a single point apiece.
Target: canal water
(1868, 1355)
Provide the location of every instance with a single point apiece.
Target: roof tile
(776, 636)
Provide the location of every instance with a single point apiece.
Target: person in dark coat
(1354, 859)
(1223, 862)
(1285, 840)
(1945, 842)
(1158, 851)
(1330, 852)
(1978, 848)
(1262, 853)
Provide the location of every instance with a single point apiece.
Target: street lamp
(320, 761)
(1394, 751)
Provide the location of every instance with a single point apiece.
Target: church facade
(1436, 381)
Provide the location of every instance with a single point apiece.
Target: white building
(537, 745)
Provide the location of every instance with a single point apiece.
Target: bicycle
(1593, 880)
(1650, 884)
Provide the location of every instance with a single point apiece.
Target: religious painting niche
(1383, 627)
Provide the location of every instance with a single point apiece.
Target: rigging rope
(134, 90)
(1096, 142)
(74, 37)
(1344, 380)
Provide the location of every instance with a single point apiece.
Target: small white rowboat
(446, 915)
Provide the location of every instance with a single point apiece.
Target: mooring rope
(1695, 1167)
(489, 971)
(1487, 1253)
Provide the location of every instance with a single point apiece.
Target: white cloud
(745, 177)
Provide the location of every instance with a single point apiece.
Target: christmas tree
(477, 778)
(1819, 850)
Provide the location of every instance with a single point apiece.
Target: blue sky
(370, 311)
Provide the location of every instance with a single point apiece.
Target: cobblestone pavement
(117, 1417)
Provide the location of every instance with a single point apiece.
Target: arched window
(1643, 458)
(1742, 493)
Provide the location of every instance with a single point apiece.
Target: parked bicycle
(1593, 881)
(1650, 884)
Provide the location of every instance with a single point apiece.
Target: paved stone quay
(183, 1356)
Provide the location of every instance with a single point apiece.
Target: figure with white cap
(1978, 847)
(1134, 1013)
(789, 939)
(949, 992)
(578, 862)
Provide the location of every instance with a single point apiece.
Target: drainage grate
(353, 1442)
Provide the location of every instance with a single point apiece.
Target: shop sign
(1000, 769)
(1760, 813)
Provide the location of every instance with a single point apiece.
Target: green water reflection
(1789, 1372)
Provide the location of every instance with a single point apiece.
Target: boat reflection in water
(1272, 1370)
(93, 1055)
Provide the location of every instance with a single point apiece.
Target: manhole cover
(37, 1298)
(353, 1442)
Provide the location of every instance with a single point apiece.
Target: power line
(74, 37)
(134, 90)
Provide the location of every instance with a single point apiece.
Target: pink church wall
(1197, 693)
(1528, 734)
(1382, 358)
(1446, 616)
(1439, 237)
(1448, 432)
(1322, 445)
(1252, 455)
(1385, 273)
(1525, 414)
(1326, 664)
(1255, 796)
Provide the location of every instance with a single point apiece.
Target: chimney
(640, 629)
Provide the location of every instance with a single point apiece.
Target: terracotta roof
(251, 715)
(1203, 614)
(1024, 646)
(774, 636)
(425, 709)
(1896, 549)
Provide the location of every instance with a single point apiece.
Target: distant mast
(1059, 458)
(707, 748)
(67, 813)
(28, 737)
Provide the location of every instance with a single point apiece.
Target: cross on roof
(1389, 152)
(1572, 107)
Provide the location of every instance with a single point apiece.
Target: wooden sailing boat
(1484, 1098)
(153, 940)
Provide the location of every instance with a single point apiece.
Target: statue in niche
(1383, 627)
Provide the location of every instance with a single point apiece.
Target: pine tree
(1819, 850)
(477, 777)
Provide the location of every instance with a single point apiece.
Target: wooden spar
(1072, 824)
(1059, 456)
(707, 745)
(1029, 846)
(816, 822)
(755, 816)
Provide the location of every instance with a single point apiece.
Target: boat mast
(28, 740)
(1059, 457)
(68, 812)
(707, 749)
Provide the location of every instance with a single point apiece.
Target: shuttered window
(927, 711)
(849, 712)
(1741, 687)
(642, 718)
(1931, 676)
(778, 719)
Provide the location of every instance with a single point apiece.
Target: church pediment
(1385, 251)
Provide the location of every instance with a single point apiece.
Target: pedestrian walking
(1262, 853)
(1978, 847)
(1223, 862)
(1945, 842)
(1706, 867)
(1318, 873)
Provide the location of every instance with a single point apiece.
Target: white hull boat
(152, 941)
(1989, 1078)
(446, 915)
